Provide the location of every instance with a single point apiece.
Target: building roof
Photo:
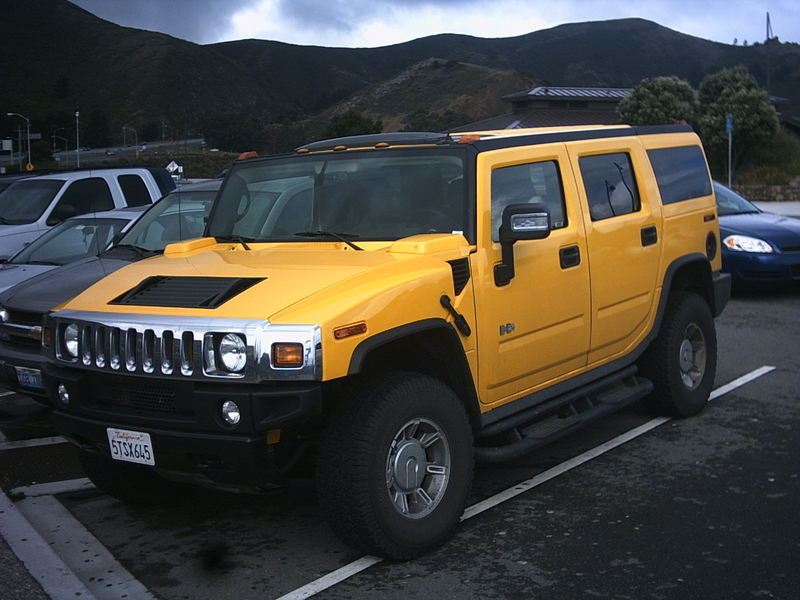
(561, 93)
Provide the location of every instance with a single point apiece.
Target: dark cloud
(201, 21)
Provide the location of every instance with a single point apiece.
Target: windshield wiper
(47, 263)
(234, 238)
(140, 252)
(342, 237)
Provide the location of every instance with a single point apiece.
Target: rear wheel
(395, 465)
(129, 483)
(682, 361)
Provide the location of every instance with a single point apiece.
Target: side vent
(186, 292)
(460, 269)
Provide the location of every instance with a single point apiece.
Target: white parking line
(363, 563)
(57, 580)
(81, 552)
(7, 394)
(53, 488)
(45, 441)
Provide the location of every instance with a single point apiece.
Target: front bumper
(12, 356)
(190, 439)
(752, 268)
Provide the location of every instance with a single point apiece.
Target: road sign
(729, 123)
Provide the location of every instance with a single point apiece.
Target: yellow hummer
(379, 311)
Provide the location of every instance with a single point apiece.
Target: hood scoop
(186, 292)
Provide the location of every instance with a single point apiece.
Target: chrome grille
(137, 351)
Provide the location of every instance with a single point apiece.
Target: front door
(535, 329)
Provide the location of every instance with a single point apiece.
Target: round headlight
(71, 340)
(230, 412)
(232, 352)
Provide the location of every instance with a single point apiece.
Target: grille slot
(460, 268)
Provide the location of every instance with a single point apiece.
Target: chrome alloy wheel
(418, 468)
(692, 360)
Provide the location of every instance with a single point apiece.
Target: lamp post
(29, 166)
(77, 138)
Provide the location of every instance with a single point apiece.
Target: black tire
(133, 484)
(682, 361)
(383, 421)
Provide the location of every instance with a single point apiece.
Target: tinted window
(610, 185)
(681, 173)
(134, 190)
(82, 196)
(531, 183)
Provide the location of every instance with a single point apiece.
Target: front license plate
(131, 446)
(30, 378)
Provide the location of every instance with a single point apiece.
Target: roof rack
(401, 138)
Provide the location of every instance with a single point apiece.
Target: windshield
(25, 201)
(731, 203)
(180, 215)
(70, 241)
(358, 195)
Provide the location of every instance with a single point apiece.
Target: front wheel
(395, 465)
(682, 361)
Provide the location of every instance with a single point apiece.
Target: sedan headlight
(233, 352)
(71, 333)
(743, 243)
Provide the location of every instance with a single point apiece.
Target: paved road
(781, 208)
(699, 508)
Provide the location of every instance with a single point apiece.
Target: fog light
(230, 412)
(63, 394)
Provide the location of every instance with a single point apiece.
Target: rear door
(623, 232)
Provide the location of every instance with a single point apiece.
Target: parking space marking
(42, 561)
(363, 563)
(45, 441)
(7, 394)
(54, 487)
(81, 552)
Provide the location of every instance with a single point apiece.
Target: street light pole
(29, 166)
(77, 138)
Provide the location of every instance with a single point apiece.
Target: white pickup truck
(31, 206)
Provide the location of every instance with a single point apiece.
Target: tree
(424, 120)
(235, 132)
(659, 101)
(734, 91)
(351, 122)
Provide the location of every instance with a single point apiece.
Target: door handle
(569, 256)
(649, 235)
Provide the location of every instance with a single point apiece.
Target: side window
(681, 173)
(610, 185)
(530, 183)
(134, 190)
(83, 196)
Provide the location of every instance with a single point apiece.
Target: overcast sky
(356, 23)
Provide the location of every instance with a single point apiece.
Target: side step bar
(545, 423)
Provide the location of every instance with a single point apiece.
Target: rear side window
(537, 183)
(681, 173)
(83, 196)
(610, 185)
(134, 190)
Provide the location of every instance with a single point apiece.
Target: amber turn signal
(347, 331)
(287, 355)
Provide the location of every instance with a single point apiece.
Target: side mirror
(520, 222)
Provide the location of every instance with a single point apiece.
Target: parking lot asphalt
(697, 508)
